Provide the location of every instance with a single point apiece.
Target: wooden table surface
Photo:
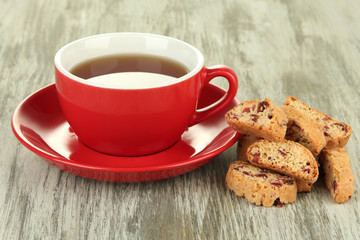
(308, 49)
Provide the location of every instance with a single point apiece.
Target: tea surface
(129, 63)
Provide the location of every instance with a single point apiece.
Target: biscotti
(260, 186)
(303, 186)
(304, 130)
(336, 133)
(287, 157)
(243, 143)
(262, 119)
(337, 173)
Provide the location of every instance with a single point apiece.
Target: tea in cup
(134, 94)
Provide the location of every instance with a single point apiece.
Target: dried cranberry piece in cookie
(262, 106)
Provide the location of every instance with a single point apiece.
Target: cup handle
(208, 75)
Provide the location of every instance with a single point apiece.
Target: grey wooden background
(308, 49)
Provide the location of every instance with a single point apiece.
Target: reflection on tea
(131, 79)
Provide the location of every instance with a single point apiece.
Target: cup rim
(199, 65)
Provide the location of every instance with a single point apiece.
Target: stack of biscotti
(285, 140)
(333, 158)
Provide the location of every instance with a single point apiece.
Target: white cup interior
(128, 43)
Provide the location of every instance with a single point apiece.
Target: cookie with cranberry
(337, 173)
(259, 118)
(304, 130)
(242, 145)
(286, 157)
(303, 186)
(260, 186)
(336, 133)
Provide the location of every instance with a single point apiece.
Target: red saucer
(40, 125)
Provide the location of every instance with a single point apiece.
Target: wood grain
(308, 49)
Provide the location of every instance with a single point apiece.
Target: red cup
(125, 121)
